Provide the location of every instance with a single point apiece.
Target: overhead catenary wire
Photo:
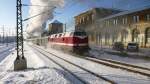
(37, 15)
(35, 5)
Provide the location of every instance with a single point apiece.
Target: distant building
(127, 26)
(85, 20)
(55, 27)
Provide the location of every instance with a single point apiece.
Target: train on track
(69, 41)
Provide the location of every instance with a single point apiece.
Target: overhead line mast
(20, 62)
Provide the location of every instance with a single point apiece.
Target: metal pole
(3, 34)
(6, 39)
(19, 30)
(20, 62)
(65, 26)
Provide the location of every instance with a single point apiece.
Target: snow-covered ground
(79, 72)
(5, 51)
(40, 71)
(2, 45)
(118, 75)
(97, 52)
(43, 71)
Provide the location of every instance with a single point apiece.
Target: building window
(77, 22)
(125, 20)
(136, 19)
(80, 21)
(148, 17)
(115, 22)
(92, 16)
(107, 23)
(87, 18)
(83, 20)
(135, 35)
(147, 35)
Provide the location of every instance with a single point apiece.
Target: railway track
(5, 50)
(116, 64)
(132, 68)
(83, 81)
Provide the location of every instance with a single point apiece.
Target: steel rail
(124, 66)
(84, 82)
(95, 74)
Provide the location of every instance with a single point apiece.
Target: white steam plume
(47, 6)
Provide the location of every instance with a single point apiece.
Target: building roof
(99, 10)
(125, 13)
(57, 22)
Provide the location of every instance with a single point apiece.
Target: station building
(126, 26)
(84, 20)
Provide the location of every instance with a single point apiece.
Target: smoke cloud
(46, 7)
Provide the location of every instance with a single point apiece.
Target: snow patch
(39, 76)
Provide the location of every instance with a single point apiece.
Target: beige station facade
(118, 26)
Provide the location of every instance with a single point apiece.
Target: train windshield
(79, 33)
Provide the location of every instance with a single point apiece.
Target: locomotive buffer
(20, 63)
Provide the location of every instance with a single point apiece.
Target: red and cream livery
(72, 41)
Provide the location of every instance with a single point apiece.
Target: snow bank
(39, 76)
(97, 52)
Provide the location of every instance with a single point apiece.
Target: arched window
(147, 35)
(124, 34)
(135, 34)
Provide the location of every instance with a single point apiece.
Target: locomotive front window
(64, 34)
(79, 33)
(60, 35)
(71, 34)
(55, 35)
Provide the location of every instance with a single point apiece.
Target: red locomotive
(70, 41)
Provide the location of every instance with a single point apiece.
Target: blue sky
(75, 7)
(72, 8)
(8, 14)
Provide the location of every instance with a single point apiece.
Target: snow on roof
(98, 9)
(56, 21)
(125, 13)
